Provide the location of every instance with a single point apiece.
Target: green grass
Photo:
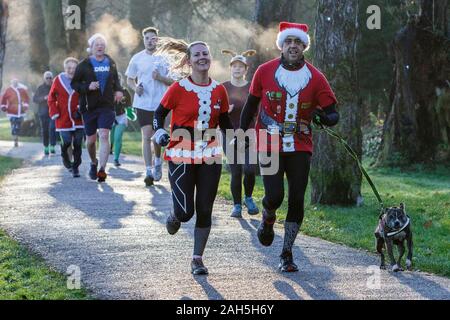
(24, 275)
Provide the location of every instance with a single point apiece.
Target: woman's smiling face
(200, 58)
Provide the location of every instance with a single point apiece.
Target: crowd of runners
(264, 123)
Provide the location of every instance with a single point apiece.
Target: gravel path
(115, 233)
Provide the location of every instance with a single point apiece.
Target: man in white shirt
(148, 76)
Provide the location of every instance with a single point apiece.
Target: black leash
(354, 156)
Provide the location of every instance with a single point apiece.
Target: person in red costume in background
(63, 108)
(15, 102)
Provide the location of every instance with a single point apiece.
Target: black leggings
(249, 171)
(189, 179)
(236, 181)
(296, 166)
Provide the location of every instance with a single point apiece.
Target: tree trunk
(4, 15)
(39, 56)
(417, 128)
(77, 38)
(141, 12)
(335, 176)
(55, 33)
(268, 15)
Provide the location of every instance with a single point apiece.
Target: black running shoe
(172, 224)
(148, 181)
(93, 172)
(66, 162)
(101, 175)
(117, 163)
(198, 268)
(265, 230)
(75, 172)
(287, 263)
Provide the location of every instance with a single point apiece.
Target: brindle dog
(394, 227)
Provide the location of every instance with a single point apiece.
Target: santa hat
(239, 57)
(92, 40)
(298, 30)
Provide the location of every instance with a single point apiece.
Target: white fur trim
(204, 100)
(302, 35)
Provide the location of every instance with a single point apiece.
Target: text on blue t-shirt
(101, 69)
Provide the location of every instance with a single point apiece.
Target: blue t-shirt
(101, 69)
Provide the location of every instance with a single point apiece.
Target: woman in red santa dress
(63, 107)
(287, 93)
(198, 104)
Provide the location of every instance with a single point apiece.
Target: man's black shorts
(145, 118)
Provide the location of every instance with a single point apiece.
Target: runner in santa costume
(63, 108)
(288, 93)
(15, 102)
(198, 104)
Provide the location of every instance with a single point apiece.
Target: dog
(394, 228)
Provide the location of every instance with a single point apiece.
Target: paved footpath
(115, 233)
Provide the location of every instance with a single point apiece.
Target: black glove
(319, 117)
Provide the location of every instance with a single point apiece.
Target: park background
(392, 84)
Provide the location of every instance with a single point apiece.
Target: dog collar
(393, 233)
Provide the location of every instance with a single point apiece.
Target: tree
(268, 14)
(335, 176)
(4, 15)
(55, 33)
(39, 56)
(77, 37)
(417, 128)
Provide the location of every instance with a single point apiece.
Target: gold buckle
(289, 127)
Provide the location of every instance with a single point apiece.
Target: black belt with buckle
(286, 128)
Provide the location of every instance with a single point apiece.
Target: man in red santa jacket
(15, 102)
(63, 107)
(287, 93)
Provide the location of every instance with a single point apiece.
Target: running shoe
(52, 150)
(93, 172)
(101, 175)
(157, 172)
(265, 230)
(198, 268)
(237, 211)
(46, 151)
(75, 172)
(172, 224)
(148, 180)
(287, 263)
(117, 163)
(252, 208)
(66, 162)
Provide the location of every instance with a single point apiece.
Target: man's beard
(293, 81)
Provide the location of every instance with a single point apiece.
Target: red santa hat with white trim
(298, 30)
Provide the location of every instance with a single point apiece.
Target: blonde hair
(178, 50)
(70, 59)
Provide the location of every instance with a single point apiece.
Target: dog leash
(353, 154)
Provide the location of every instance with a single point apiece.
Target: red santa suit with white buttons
(289, 97)
(197, 107)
